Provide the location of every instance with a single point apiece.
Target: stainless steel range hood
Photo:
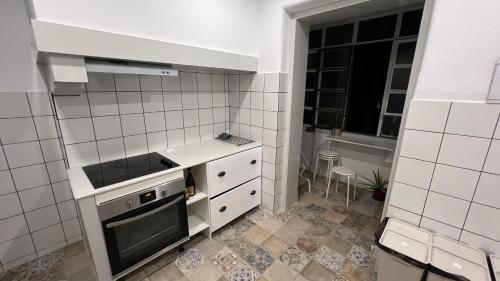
(126, 67)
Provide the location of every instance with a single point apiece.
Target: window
(358, 73)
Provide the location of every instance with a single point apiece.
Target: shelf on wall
(197, 197)
(196, 225)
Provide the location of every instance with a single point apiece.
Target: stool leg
(337, 183)
(330, 164)
(328, 186)
(316, 167)
(347, 203)
(355, 185)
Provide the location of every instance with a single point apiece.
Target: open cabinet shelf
(196, 225)
(196, 198)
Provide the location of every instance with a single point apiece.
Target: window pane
(315, 38)
(310, 99)
(334, 100)
(329, 119)
(335, 80)
(313, 60)
(341, 34)
(396, 103)
(338, 57)
(378, 28)
(400, 78)
(369, 73)
(405, 53)
(311, 80)
(411, 23)
(308, 117)
(390, 126)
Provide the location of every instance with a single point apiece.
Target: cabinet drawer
(228, 172)
(234, 203)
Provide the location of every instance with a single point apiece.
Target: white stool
(330, 156)
(343, 171)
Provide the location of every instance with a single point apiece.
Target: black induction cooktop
(107, 173)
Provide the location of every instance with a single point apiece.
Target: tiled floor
(316, 239)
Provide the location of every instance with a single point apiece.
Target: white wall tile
(72, 106)
(427, 115)
(269, 154)
(127, 82)
(36, 198)
(453, 153)
(472, 119)
(3, 161)
(403, 215)
(57, 171)
(219, 114)
(20, 261)
(191, 118)
(129, 102)
(13, 227)
(175, 137)
(51, 150)
(234, 129)
(219, 129)
(174, 119)
(440, 228)
(481, 242)
(48, 237)
(150, 83)
(103, 103)
(483, 220)
(135, 145)
(189, 100)
(67, 210)
(271, 101)
(234, 83)
(207, 132)
(218, 83)
(172, 101)
(17, 130)
(454, 181)
(492, 164)
(14, 105)
(6, 183)
(71, 228)
(256, 134)
(192, 134)
(100, 82)
(420, 145)
(40, 103)
(497, 130)
(52, 248)
(271, 82)
(234, 99)
(204, 81)
(234, 114)
(9, 205)
(45, 127)
(82, 154)
(244, 116)
(77, 130)
(219, 99)
(245, 99)
(257, 118)
(188, 81)
(155, 122)
(281, 120)
(269, 170)
(107, 127)
(38, 176)
(62, 191)
(268, 201)
(414, 172)
(269, 137)
(170, 83)
(268, 186)
(258, 83)
(23, 154)
(488, 190)
(152, 101)
(283, 79)
(408, 197)
(133, 124)
(257, 100)
(246, 82)
(15, 249)
(205, 99)
(206, 116)
(271, 120)
(245, 131)
(42, 218)
(454, 213)
(157, 140)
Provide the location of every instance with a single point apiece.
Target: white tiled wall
(257, 111)
(448, 173)
(124, 115)
(35, 198)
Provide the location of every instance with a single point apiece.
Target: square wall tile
(17, 130)
(269, 137)
(234, 129)
(188, 82)
(192, 134)
(40, 103)
(100, 82)
(497, 130)
(45, 127)
(271, 120)
(103, 103)
(481, 242)
(269, 170)
(234, 99)
(269, 154)
(218, 83)
(13, 227)
(133, 124)
(171, 83)
(57, 171)
(175, 137)
(72, 106)
(281, 120)
(127, 82)
(189, 100)
(271, 101)
(427, 115)
(244, 116)
(219, 129)
(271, 82)
(157, 140)
(204, 81)
(268, 202)
(219, 99)
(42, 218)
(67, 210)
(172, 101)
(440, 228)
(420, 145)
(268, 186)
(152, 101)
(150, 83)
(130, 102)
(454, 181)
(206, 132)
(111, 149)
(453, 153)
(408, 197)
(488, 190)
(6, 183)
(3, 161)
(483, 220)
(414, 172)
(403, 215)
(71, 228)
(51, 150)
(205, 99)
(9, 205)
(257, 100)
(38, 176)
(191, 118)
(77, 130)
(258, 83)
(23, 154)
(234, 114)
(447, 209)
(219, 114)
(36, 198)
(107, 127)
(135, 145)
(283, 78)
(234, 83)
(473, 119)
(155, 122)
(16, 248)
(174, 119)
(48, 237)
(257, 118)
(256, 134)
(206, 116)
(14, 105)
(246, 82)
(245, 131)
(82, 154)
(62, 191)
(492, 164)
(245, 99)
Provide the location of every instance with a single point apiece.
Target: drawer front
(234, 203)
(228, 172)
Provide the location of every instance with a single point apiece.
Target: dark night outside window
(377, 28)
(315, 37)
(340, 34)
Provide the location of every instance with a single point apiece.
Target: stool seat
(328, 153)
(343, 171)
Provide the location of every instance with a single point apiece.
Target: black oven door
(136, 235)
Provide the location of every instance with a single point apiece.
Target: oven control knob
(163, 193)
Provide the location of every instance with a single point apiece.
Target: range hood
(125, 67)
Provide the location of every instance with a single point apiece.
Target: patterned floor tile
(189, 260)
(339, 245)
(280, 272)
(275, 246)
(295, 259)
(353, 272)
(240, 246)
(328, 258)
(317, 272)
(204, 272)
(256, 234)
(361, 257)
(307, 245)
(242, 273)
(225, 260)
(293, 230)
(311, 212)
(169, 272)
(260, 259)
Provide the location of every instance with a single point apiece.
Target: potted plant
(336, 124)
(378, 185)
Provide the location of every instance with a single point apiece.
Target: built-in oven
(141, 226)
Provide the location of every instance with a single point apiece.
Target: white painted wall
(18, 71)
(226, 25)
(461, 49)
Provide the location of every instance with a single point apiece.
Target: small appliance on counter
(228, 138)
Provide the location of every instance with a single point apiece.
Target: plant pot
(378, 194)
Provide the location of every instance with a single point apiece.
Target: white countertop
(186, 156)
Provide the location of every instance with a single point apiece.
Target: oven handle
(141, 216)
